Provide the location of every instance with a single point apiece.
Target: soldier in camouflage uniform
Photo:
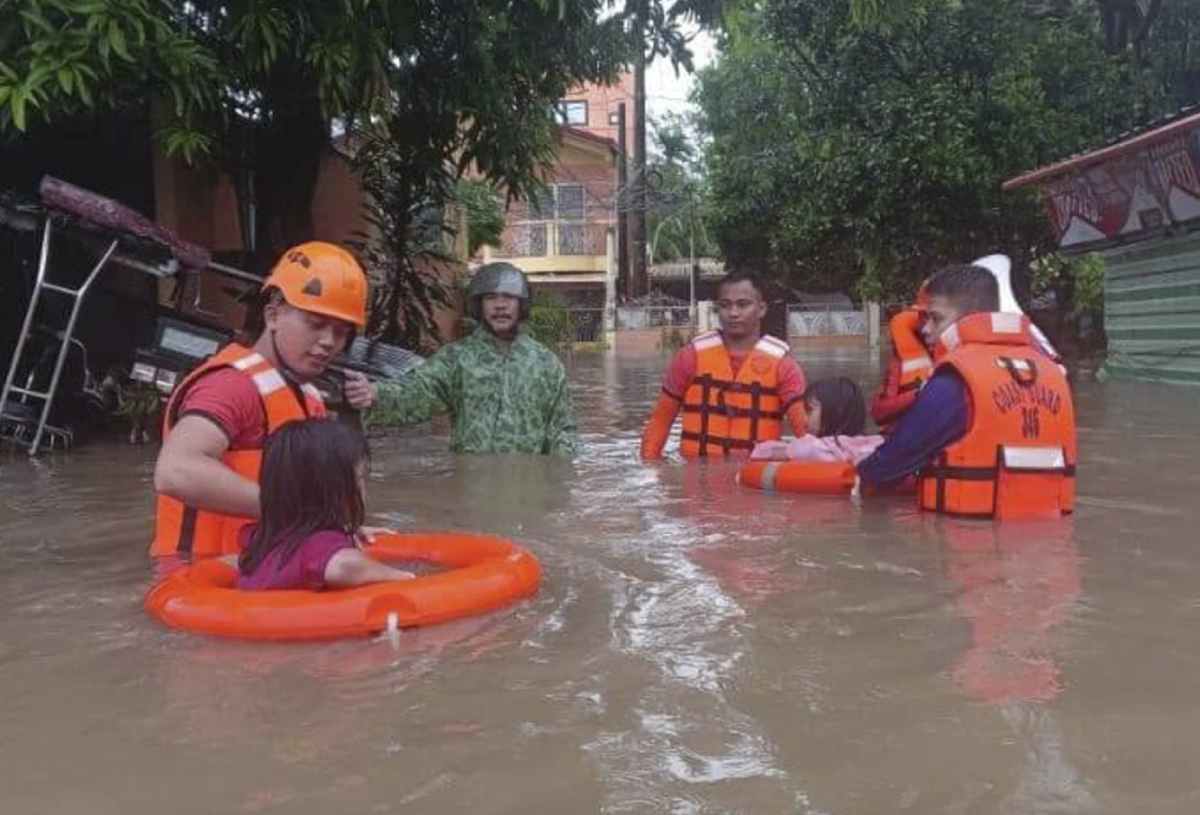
(505, 391)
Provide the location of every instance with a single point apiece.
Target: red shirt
(228, 398)
(683, 368)
(305, 569)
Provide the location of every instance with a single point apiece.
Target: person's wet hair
(309, 483)
(742, 276)
(843, 410)
(969, 288)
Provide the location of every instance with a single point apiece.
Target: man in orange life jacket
(218, 417)
(910, 365)
(992, 433)
(735, 385)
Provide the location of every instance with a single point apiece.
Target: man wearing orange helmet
(218, 417)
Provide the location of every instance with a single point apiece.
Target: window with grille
(566, 205)
(559, 202)
(571, 112)
(541, 205)
(570, 202)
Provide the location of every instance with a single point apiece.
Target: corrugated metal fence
(1152, 310)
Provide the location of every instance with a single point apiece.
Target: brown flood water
(695, 648)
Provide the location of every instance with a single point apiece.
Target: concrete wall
(1152, 310)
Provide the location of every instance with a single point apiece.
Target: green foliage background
(858, 146)
(417, 90)
(550, 322)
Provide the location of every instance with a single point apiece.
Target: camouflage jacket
(502, 398)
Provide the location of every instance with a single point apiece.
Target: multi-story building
(561, 240)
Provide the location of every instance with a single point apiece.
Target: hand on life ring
(812, 477)
(482, 573)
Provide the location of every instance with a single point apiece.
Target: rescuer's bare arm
(190, 469)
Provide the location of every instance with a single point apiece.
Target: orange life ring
(483, 573)
(813, 477)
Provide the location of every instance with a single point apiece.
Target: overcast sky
(666, 92)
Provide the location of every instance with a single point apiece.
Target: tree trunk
(288, 152)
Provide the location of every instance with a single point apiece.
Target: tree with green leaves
(259, 87)
(676, 197)
(858, 152)
(63, 58)
(483, 212)
(482, 104)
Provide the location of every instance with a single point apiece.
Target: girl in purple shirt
(312, 487)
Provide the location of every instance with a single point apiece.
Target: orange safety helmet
(324, 279)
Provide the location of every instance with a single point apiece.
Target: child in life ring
(312, 508)
(837, 413)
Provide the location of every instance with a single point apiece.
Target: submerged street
(695, 647)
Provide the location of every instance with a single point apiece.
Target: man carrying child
(992, 432)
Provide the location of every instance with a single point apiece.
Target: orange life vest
(185, 530)
(1018, 456)
(1036, 338)
(722, 412)
(909, 368)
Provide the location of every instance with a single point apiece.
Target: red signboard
(1127, 194)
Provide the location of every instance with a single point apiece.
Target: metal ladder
(29, 392)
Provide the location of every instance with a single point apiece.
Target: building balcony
(540, 247)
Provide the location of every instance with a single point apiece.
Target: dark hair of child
(309, 483)
(843, 411)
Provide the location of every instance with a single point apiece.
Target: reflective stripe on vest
(723, 412)
(1018, 456)
(186, 530)
(915, 364)
(909, 368)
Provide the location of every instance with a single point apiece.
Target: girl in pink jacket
(837, 413)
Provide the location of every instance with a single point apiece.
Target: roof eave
(1077, 163)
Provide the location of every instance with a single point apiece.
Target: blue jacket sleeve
(936, 419)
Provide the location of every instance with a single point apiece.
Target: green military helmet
(497, 278)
